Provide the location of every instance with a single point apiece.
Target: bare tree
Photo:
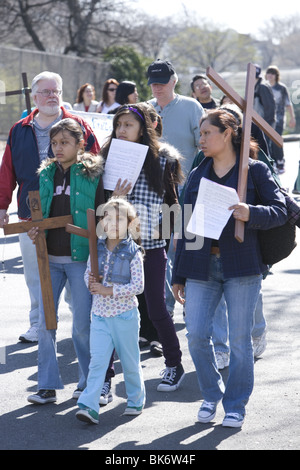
(79, 27)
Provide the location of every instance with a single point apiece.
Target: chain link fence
(74, 71)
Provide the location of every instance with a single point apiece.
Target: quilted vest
(82, 197)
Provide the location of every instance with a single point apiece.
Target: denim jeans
(220, 328)
(120, 332)
(220, 324)
(202, 299)
(48, 370)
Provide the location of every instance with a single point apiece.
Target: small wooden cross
(25, 90)
(41, 250)
(89, 233)
(250, 114)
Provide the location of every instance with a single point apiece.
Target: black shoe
(172, 378)
(42, 397)
(156, 349)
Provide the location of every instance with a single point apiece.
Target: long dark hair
(225, 119)
(152, 166)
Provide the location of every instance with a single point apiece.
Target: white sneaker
(259, 344)
(233, 420)
(207, 411)
(222, 359)
(31, 336)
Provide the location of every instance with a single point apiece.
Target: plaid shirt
(149, 207)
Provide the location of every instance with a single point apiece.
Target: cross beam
(41, 250)
(25, 90)
(249, 114)
(89, 233)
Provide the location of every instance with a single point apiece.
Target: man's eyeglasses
(111, 89)
(46, 93)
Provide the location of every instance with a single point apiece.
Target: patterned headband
(136, 111)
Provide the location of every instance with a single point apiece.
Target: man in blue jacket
(27, 145)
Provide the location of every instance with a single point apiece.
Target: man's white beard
(50, 110)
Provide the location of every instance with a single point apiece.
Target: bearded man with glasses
(27, 145)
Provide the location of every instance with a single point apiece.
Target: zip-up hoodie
(70, 192)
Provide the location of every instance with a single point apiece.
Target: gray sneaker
(207, 411)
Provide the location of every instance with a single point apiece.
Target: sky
(245, 17)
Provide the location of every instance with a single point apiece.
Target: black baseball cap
(160, 71)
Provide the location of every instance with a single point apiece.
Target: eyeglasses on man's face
(46, 93)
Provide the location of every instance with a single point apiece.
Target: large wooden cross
(89, 233)
(249, 115)
(41, 250)
(25, 90)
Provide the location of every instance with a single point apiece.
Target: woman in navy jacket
(201, 276)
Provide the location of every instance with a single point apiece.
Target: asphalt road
(168, 422)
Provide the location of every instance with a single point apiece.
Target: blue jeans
(48, 370)
(122, 334)
(220, 328)
(202, 299)
(220, 324)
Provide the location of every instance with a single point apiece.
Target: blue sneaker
(233, 420)
(207, 411)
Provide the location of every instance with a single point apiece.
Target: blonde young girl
(115, 316)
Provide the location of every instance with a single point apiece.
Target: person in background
(283, 103)
(108, 102)
(202, 92)
(264, 102)
(126, 94)
(86, 99)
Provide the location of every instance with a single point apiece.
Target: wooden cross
(25, 90)
(41, 250)
(246, 105)
(89, 233)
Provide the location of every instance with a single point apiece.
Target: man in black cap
(180, 114)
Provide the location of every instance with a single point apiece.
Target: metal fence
(74, 71)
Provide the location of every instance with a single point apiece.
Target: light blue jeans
(48, 371)
(122, 334)
(202, 299)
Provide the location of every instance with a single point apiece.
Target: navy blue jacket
(238, 259)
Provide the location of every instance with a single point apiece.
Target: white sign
(102, 124)
(125, 160)
(211, 214)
